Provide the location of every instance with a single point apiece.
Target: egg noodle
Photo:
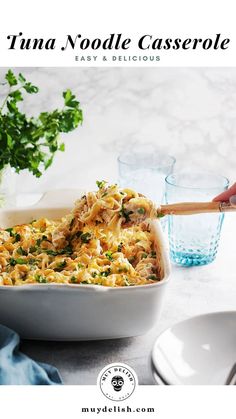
(105, 240)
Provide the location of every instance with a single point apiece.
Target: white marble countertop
(187, 112)
(192, 291)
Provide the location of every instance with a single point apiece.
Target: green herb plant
(28, 142)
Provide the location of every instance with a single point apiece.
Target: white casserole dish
(79, 312)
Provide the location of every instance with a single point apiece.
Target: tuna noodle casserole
(105, 240)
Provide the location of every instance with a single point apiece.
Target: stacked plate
(197, 351)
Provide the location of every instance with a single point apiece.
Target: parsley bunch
(31, 143)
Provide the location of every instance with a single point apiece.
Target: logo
(117, 381)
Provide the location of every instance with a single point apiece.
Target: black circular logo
(117, 381)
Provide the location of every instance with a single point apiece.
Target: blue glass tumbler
(194, 239)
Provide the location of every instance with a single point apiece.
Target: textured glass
(144, 169)
(194, 239)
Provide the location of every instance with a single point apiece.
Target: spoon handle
(190, 208)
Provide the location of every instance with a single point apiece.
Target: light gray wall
(188, 112)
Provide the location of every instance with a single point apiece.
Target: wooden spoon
(190, 208)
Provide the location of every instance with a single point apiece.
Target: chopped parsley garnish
(12, 262)
(73, 279)
(153, 277)
(67, 250)
(51, 252)
(127, 283)
(141, 210)
(160, 215)
(17, 261)
(78, 234)
(71, 223)
(16, 236)
(94, 274)
(106, 273)
(61, 266)
(38, 242)
(41, 279)
(144, 256)
(21, 251)
(119, 247)
(153, 254)
(80, 265)
(32, 261)
(86, 237)
(126, 214)
(32, 249)
(109, 255)
(43, 238)
(21, 261)
(101, 184)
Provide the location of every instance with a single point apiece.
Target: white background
(172, 19)
(169, 402)
(182, 19)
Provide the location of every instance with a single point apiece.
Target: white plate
(79, 312)
(200, 350)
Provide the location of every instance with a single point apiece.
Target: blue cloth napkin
(17, 368)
